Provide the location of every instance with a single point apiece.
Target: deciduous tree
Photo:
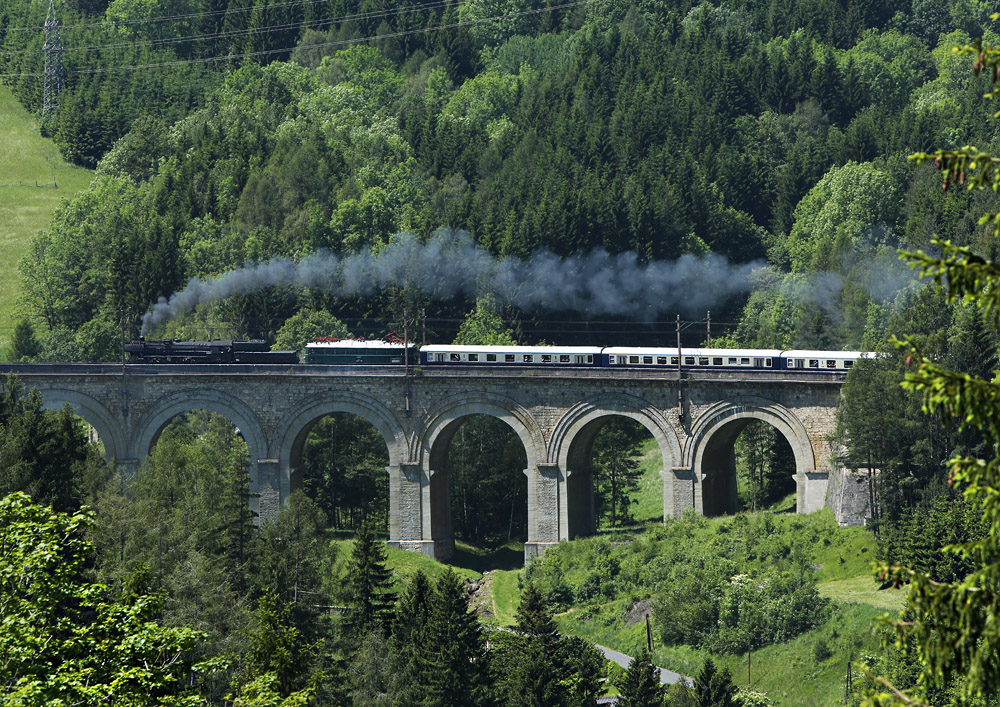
(65, 640)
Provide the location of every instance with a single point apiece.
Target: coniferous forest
(773, 133)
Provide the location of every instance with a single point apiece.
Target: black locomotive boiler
(214, 351)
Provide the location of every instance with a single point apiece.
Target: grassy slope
(26, 159)
(790, 673)
(649, 499)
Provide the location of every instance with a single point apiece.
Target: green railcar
(359, 352)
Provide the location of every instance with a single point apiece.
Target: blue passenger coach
(820, 360)
(453, 354)
(691, 358)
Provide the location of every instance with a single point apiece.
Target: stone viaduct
(695, 418)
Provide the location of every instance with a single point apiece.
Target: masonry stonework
(695, 418)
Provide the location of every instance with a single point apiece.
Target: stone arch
(96, 415)
(441, 426)
(572, 445)
(709, 449)
(170, 406)
(264, 494)
(294, 428)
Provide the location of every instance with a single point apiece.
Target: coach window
(831, 363)
(647, 359)
(491, 358)
(717, 361)
(509, 358)
(529, 358)
(456, 357)
(590, 358)
(703, 361)
(689, 360)
(546, 358)
(673, 360)
(661, 360)
(474, 358)
(732, 361)
(813, 363)
(767, 363)
(633, 359)
(848, 364)
(564, 358)
(744, 361)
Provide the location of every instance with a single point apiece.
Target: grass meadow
(34, 180)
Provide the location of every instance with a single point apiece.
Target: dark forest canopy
(755, 130)
(772, 132)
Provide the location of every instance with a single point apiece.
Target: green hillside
(34, 180)
(841, 557)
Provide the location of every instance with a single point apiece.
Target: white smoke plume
(451, 264)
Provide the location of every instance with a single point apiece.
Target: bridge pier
(127, 467)
(546, 503)
(678, 491)
(409, 509)
(810, 490)
(269, 488)
(577, 498)
(437, 515)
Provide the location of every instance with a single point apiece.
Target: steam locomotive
(389, 352)
(214, 351)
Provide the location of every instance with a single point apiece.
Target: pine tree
(379, 675)
(715, 687)
(640, 685)
(409, 629)
(533, 617)
(23, 344)
(236, 531)
(413, 611)
(536, 666)
(456, 664)
(537, 676)
(369, 586)
(617, 469)
(952, 625)
(827, 86)
(273, 645)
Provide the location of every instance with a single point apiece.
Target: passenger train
(637, 357)
(378, 352)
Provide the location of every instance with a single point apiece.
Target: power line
(342, 42)
(165, 18)
(251, 30)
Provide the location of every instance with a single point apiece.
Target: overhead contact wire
(342, 42)
(164, 18)
(236, 33)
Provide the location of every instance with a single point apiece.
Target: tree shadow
(506, 557)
